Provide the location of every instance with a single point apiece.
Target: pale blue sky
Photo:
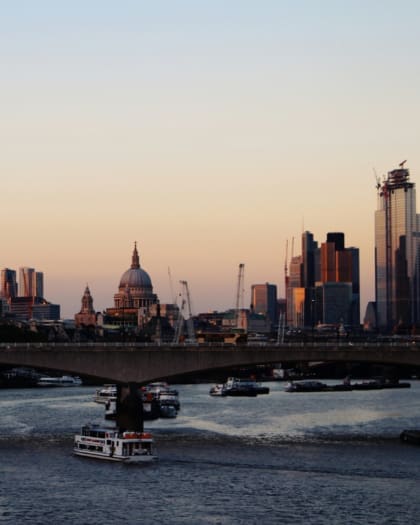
(210, 132)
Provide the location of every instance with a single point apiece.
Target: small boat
(162, 393)
(237, 387)
(103, 395)
(244, 387)
(305, 386)
(217, 390)
(150, 410)
(59, 381)
(111, 444)
(19, 378)
(410, 436)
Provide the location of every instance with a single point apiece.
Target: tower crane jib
(239, 295)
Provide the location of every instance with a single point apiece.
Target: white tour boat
(103, 395)
(99, 442)
(59, 381)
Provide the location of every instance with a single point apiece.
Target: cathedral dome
(135, 277)
(135, 294)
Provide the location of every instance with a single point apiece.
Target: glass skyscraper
(396, 252)
(323, 286)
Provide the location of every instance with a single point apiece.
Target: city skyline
(211, 135)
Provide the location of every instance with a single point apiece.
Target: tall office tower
(295, 277)
(309, 256)
(338, 303)
(26, 282)
(295, 293)
(39, 284)
(338, 239)
(328, 262)
(309, 247)
(350, 267)
(323, 286)
(264, 300)
(397, 251)
(8, 285)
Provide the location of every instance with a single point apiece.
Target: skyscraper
(8, 285)
(31, 283)
(396, 251)
(264, 300)
(26, 281)
(323, 286)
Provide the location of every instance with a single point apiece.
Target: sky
(210, 132)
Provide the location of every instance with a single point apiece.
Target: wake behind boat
(110, 444)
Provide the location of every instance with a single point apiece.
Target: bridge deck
(123, 362)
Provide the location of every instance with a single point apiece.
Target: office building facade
(31, 283)
(8, 284)
(323, 286)
(264, 301)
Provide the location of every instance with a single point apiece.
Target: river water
(298, 458)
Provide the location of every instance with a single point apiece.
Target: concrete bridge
(142, 363)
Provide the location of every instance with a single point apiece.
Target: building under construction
(397, 245)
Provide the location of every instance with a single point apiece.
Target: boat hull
(146, 458)
(99, 442)
(410, 436)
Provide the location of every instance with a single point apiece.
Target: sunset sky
(209, 132)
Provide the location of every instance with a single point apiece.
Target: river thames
(313, 458)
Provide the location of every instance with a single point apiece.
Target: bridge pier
(129, 408)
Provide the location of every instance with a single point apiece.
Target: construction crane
(179, 326)
(282, 315)
(173, 296)
(286, 275)
(239, 295)
(186, 301)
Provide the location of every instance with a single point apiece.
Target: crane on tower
(239, 296)
(286, 275)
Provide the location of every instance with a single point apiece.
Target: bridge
(142, 363)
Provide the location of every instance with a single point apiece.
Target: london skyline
(211, 135)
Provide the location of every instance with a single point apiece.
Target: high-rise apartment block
(397, 234)
(323, 286)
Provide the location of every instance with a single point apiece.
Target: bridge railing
(226, 346)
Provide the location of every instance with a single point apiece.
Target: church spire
(135, 261)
